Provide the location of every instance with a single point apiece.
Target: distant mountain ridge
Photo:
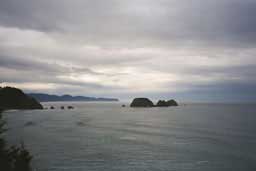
(41, 97)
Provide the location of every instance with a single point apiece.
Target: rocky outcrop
(172, 103)
(70, 107)
(13, 98)
(142, 102)
(163, 103)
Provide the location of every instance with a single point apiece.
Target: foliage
(14, 158)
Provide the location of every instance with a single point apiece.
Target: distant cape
(41, 97)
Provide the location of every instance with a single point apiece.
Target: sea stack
(163, 103)
(145, 102)
(172, 103)
(142, 102)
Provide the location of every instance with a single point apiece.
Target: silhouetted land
(145, 102)
(142, 102)
(13, 98)
(51, 98)
(163, 103)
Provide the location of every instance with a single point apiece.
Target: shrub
(14, 158)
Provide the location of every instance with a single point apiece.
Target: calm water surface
(107, 137)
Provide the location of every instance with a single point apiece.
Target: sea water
(108, 137)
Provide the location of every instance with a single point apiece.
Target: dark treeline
(12, 158)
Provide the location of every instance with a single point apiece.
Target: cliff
(13, 98)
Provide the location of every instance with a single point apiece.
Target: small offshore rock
(70, 107)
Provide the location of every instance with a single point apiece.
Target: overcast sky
(196, 50)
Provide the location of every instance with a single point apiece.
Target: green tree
(14, 158)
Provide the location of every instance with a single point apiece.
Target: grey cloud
(246, 72)
(114, 25)
(21, 77)
(22, 70)
(25, 70)
(228, 92)
(18, 63)
(34, 65)
(187, 23)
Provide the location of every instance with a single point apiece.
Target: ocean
(103, 136)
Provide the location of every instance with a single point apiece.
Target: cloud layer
(202, 50)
